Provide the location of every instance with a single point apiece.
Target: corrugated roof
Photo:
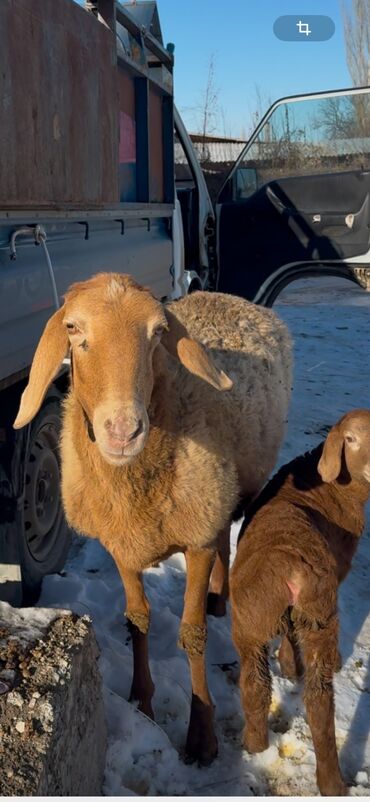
(209, 138)
(220, 150)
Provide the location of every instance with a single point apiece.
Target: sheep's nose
(123, 430)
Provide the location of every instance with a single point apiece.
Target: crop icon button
(304, 28)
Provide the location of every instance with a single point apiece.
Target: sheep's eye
(354, 441)
(72, 328)
(158, 331)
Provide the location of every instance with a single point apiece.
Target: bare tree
(336, 117)
(356, 23)
(226, 129)
(262, 102)
(209, 107)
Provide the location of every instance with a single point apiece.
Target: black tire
(44, 537)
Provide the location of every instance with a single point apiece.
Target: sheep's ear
(49, 355)
(331, 459)
(192, 354)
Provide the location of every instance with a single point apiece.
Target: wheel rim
(42, 508)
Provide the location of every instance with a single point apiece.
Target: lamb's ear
(192, 354)
(331, 459)
(49, 355)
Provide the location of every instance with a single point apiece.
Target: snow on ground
(27, 624)
(329, 321)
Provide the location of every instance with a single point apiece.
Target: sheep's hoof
(144, 706)
(201, 742)
(199, 750)
(216, 605)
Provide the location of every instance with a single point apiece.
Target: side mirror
(245, 182)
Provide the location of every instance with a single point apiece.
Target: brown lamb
(295, 547)
(159, 445)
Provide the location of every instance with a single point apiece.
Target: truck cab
(297, 201)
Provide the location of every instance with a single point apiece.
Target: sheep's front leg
(219, 584)
(138, 614)
(201, 743)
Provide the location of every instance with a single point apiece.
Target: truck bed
(144, 249)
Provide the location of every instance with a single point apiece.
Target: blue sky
(246, 53)
(239, 34)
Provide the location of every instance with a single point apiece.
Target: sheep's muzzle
(120, 431)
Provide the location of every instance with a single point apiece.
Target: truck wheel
(44, 534)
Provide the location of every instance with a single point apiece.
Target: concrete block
(52, 727)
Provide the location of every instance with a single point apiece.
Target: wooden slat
(58, 106)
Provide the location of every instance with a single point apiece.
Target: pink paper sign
(127, 138)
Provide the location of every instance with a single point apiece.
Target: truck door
(297, 201)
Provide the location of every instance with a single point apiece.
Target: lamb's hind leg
(219, 584)
(259, 600)
(320, 656)
(138, 615)
(255, 689)
(201, 743)
(290, 658)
